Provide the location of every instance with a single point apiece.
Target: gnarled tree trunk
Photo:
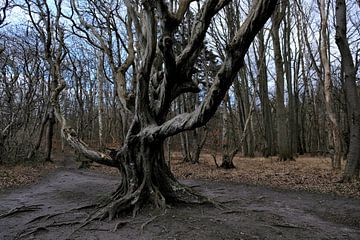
(145, 177)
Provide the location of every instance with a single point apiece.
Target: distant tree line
(297, 93)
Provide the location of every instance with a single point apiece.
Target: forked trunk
(145, 176)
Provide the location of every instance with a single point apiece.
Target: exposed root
(286, 225)
(49, 216)
(186, 195)
(21, 209)
(233, 211)
(83, 207)
(119, 225)
(150, 221)
(106, 209)
(232, 201)
(46, 216)
(59, 224)
(31, 232)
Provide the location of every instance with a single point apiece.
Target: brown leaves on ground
(22, 174)
(306, 173)
(104, 169)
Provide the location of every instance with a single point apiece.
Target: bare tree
(324, 46)
(284, 150)
(102, 28)
(3, 9)
(145, 176)
(352, 96)
(101, 78)
(269, 148)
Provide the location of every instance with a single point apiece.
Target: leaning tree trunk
(352, 97)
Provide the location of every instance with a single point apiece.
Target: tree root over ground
(145, 194)
(128, 198)
(21, 209)
(131, 197)
(133, 201)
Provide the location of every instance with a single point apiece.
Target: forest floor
(258, 203)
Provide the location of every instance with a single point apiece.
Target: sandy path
(251, 213)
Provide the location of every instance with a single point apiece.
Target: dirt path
(251, 212)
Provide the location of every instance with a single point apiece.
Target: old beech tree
(162, 76)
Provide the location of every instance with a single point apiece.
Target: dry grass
(306, 173)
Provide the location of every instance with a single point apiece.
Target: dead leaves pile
(312, 174)
(12, 176)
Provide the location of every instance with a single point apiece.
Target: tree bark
(50, 135)
(284, 151)
(41, 133)
(336, 159)
(100, 78)
(226, 160)
(264, 98)
(287, 57)
(352, 96)
(145, 176)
